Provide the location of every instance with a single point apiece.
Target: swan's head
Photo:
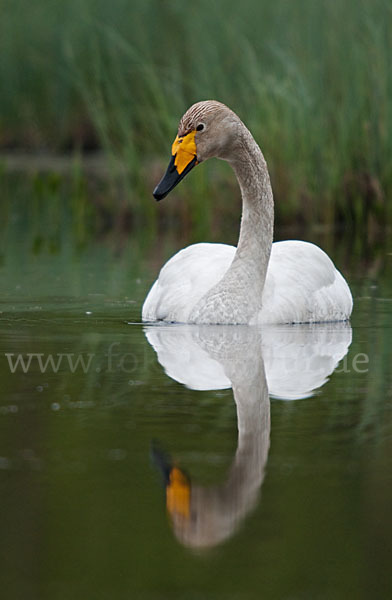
(207, 129)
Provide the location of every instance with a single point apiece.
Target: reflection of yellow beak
(178, 494)
(184, 151)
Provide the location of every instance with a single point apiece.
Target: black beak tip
(171, 178)
(159, 195)
(161, 460)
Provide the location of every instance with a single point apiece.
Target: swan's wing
(303, 285)
(184, 280)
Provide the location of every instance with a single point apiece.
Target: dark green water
(297, 506)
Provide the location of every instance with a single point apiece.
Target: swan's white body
(258, 282)
(302, 284)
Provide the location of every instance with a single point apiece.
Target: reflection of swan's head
(204, 516)
(187, 517)
(209, 521)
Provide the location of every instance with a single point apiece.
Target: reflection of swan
(215, 283)
(206, 516)
(296, 361)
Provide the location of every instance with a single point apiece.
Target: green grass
(312, 79)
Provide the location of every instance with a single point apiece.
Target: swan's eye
(200, 127)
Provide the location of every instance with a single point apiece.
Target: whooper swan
(258, 282)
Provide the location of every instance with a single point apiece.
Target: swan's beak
(184, 158)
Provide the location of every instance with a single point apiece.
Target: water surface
(185, 462)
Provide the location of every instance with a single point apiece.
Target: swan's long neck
(256, 233)
(237, 297)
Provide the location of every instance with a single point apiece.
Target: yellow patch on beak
(178, 493)
(184, 151)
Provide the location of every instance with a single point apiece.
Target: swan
(259, 282)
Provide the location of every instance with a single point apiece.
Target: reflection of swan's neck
(215, 512)
(253, 418)
(224, 506)
(253, 414)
